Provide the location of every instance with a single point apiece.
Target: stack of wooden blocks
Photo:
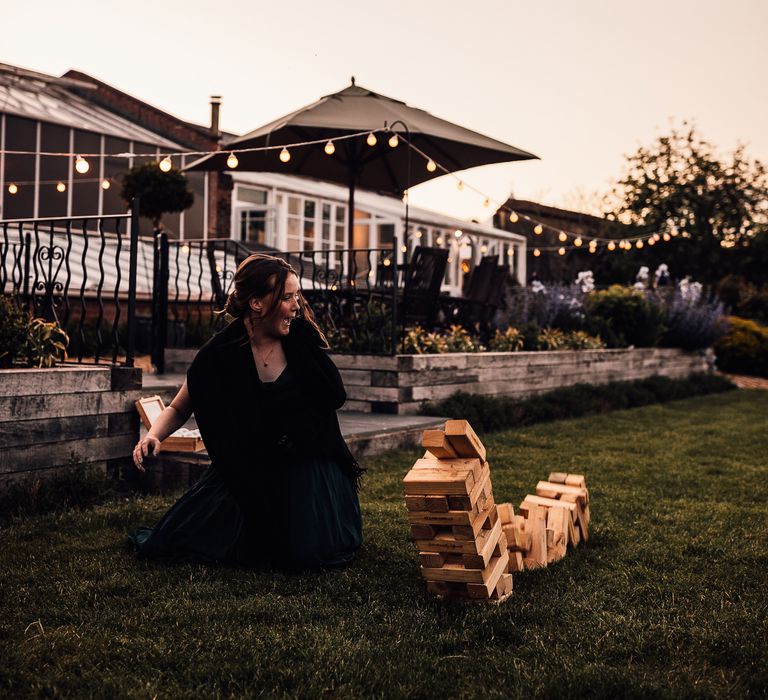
(453, 517)
(557, 515)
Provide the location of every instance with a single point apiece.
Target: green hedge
(487, 414)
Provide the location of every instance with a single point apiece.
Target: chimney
(215, 107)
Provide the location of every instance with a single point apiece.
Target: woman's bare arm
(171, 419)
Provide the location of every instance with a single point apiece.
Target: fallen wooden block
(506, 512)
(455, 464)
(549, 489)
(463, 439)
(537, 521)
(529, 501)
(437, 443)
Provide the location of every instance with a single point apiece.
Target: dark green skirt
(308, 520)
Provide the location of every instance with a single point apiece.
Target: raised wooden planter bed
(403, 383)
(50, 416)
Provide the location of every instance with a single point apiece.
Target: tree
(161, 193)
(716, 210)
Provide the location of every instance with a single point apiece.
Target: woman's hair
(259, 275)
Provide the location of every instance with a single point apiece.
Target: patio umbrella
(355, 163)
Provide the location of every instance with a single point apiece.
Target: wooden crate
(149, 409)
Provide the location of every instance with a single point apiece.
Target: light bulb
(639, 244)
(439, 241)
(105, 184)
(450, 259)
(510, 252)
(577, 242)
(387, 262)
(513, 217)
(611, 246)
(623, 245)
(651, 241)
(459, 185)
(458, 233)
(538, 229)
(61, 187)
(666, 237)
(232, 161)
(418, 234)
(484, 249)
(431, 165)
(404, 248)
(592, 249)
(81, 165)
(12, 188)
(165, 164)
(563, 238)
(393, 141)
(285, 155)
(561, 251)
(536, 252)
(371, 140)
(330, 149)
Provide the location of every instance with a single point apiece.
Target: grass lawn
(669, 597)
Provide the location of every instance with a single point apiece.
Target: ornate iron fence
(352, 293)
(83, 273)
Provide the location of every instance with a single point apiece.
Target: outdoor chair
(421, 288)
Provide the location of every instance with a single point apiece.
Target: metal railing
(352, 293)
(83, 273)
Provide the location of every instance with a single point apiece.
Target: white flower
(586, 281)
(537, 287)
(662, 271)
(639, 286)
(642, 274)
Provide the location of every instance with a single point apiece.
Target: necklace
(264, 359)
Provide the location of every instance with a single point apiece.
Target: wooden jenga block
(416, 503)
(436, 504)
(431, 560)
(456, 464)
(516, 562)
(503, 588)
(549, 489)
(537, 521)
(576, 480)
(437, 443)
(506, 513)
(581, 520)
(423, 532)
(556, 542)
(557, 477)
(574, 535)
(455, 571)
(436, 482)
(547, 503)
(463, 439)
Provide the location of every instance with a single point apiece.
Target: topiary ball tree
(161, 193)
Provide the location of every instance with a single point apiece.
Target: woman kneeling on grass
(281, 489)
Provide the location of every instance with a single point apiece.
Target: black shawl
(243, 433)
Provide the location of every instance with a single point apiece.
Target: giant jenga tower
(453, 517)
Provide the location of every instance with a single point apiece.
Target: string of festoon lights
(567, 238)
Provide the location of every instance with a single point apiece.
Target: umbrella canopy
(355, 163)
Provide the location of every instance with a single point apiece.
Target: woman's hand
(148, 445)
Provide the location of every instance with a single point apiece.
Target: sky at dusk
(579, 84)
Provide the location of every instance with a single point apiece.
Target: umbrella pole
(351, 229)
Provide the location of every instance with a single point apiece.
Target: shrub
(552, 306)
(623, 317)
(13, 331)
(489, 413)
(744, 349)
(692, 322)
(46, 343)
(580, 340)
(34, 341)
(743, 298)
(509, 340)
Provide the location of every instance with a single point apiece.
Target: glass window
(54, 170)
(294, 206)
(253, 226)
(85, 186)
(114, 169)
(20, 135)
(194, 217)
(251, 195)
